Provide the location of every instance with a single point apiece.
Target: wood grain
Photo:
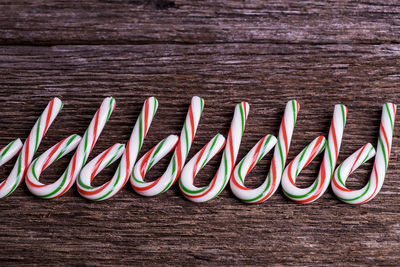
(320, 53)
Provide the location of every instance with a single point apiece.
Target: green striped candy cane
(85, 146)
(349, 165)
(318, 188)
(182, 146)
(129, 156)
(221, 178)
(273, 180)
(30, 147)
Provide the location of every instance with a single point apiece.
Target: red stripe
(384, 135)
(285, 140)
(334, 138)
(273, 183)
(49, 115)
(56, 147)
(145, 161)
(146, 115)
(358, 156)
(95, 129)
(198, 161)
(290, 173)
(376, 186)
(128, 167)
(191, 121)
(98, 163)
(340, 186)
(314, 151)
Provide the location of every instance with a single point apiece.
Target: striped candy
(30, 147)
(129, 156)
(67, 179)
(268, 188)
(349, 165)
(317, 189)
(224, 172)
(175, 166)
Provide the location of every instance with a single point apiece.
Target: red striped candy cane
(67, 179)
(268, 188)
(129, 156)
(229, 156)
(30, 147)
(175, 166)
(318, 188)
(349, 165)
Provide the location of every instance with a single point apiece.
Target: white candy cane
(175, 166)
(129, 156)
(67, 179)
(318, 188)
(272, 182)
(349, 165)
(221, 178)
(30, 147)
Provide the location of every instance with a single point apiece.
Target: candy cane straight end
(382, 155)
(10, 150)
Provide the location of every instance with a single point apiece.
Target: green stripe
(242, 116)
(156, 151)
(343, 115)
(37, 132)
(5, 150)
(186, 138)
(390, 116)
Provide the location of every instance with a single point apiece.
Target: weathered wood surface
(265, 53)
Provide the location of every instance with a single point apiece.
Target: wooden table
(265, 53)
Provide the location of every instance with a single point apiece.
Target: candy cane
(229, 156)
(268, 188)
(349, 165)
(316, 190)
(30, 147)
(129, 156)
(175, 166)
(79, 159)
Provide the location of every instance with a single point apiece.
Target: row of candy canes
(129, 169)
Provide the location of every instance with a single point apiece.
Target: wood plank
(129, 229)
(192, 22)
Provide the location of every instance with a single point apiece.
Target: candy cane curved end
(379, 168)
(195, 164)
(42, 162)
(296, 165)
(259, 151)
(94, 167)
(227, 164)
(30, 147)
(145, 163)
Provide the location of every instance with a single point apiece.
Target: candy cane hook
(271, 183)
(316, 190)
(85, 147)
(221, 178)
(349, 165)
(182, 146)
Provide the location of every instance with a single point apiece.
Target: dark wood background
(265, 52)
